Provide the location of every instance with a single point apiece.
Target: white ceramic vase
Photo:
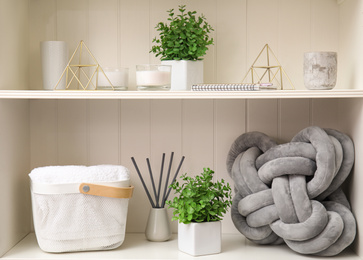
(158, 225)
(320, 70)
(54, 57)
(200, 238)
(184, 73)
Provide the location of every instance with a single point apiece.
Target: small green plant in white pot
(182, 44)
(199, 206)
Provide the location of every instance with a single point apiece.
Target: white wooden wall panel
(15, 217)
(230, 34)
(73, 132)
(262, 116)
(197, 135)
(13, 46)
(262, 28)
(229, 123)
(324, 25)
(41, 12)
(73, 22)
(103, 32)
(294, 116)
(350, 111)
(325, 113)
(104, 122)
(44, 133)
(135, 38)
(291, 48)
(350, 63)
(135, 142)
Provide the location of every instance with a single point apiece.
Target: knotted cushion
(292, 192)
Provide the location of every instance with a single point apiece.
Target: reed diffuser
(158, 224)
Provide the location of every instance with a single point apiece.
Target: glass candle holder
(153, 77)
(119, 77)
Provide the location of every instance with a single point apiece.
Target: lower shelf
(136, 246)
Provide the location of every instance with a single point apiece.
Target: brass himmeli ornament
(82, 74)
(271, 73)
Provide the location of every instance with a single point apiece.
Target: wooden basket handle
(106, 191)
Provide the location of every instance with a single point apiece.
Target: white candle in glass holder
(118, 77)
(153, 77)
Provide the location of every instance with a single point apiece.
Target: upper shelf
(268, 94)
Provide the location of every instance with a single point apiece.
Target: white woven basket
(80, 216)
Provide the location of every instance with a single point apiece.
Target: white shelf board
(266, 94)
(135, 246)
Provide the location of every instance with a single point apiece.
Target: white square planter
(184, 73)
(200, 238)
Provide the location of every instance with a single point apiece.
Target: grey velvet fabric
(291, 192)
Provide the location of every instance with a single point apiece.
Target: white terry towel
(78, 222)
(78, 174)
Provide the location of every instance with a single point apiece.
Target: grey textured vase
(320, 70)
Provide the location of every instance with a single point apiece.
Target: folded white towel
(79, 173)
(78, 222)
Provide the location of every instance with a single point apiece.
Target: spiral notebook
(232, 87)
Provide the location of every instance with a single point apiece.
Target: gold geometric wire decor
(271, 70)
(82, 74)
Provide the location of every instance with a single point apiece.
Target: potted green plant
(182, 44)
(199, 206)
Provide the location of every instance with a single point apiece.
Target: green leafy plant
(199, 199)
(186, 37)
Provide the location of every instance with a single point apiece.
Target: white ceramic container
(200, 238)
(185, 73)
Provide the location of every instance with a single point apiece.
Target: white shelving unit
(235, 246)
(135, 246)
(270, 94)
(93, 127)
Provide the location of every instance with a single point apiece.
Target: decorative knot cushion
(292, 192)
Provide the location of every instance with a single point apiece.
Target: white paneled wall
(14, 185)
(13, 44)
(112, 131)
(120, 32)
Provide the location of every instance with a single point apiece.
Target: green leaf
(184, 26)
(199, 199)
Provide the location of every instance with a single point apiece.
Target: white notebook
(232, 87)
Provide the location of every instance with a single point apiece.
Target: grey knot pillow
(291, 193)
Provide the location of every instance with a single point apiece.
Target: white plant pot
(184, 73)
(200, 238)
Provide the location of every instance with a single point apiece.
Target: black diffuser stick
(143, 183)
(176, 174)
(161, 177)
(152, 181)
(167, 178)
